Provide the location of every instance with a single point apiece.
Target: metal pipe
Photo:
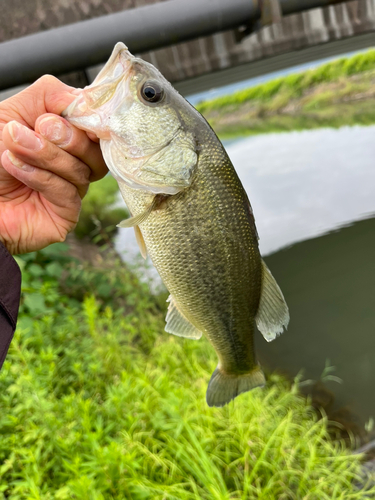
(292, 6)
(86, 43)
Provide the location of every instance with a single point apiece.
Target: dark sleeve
(10, 292)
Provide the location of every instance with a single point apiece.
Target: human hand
(43, 174)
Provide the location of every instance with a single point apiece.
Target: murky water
(313, 195)
(329, 284)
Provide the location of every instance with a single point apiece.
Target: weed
(98, 402)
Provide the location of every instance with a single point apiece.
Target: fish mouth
(109, 88)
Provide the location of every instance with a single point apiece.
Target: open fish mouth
(110, 87)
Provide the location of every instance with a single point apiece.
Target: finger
(8, 184)
(73, 140)
(46, 95)
(28, 146)
(57, 95)
(92, 137)
(61, 194)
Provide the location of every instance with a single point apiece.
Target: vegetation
(334, 94)
(99, 214)
(97, 402)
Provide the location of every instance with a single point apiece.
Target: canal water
(313, 196)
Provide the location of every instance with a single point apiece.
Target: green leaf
(54, 269)
(25, 323)
(35, 270)
(36, 304)
(55, 250)
(104, 290)
(21, 263)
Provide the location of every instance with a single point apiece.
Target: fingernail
(24, 136)
(19, 163)
(55, 130)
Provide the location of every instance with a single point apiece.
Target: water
(302, 184)
(329, 284)
(313, 195)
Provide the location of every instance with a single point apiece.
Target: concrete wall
(295, 32)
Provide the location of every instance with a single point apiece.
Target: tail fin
(223, 387)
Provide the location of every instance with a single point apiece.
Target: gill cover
(133, 110)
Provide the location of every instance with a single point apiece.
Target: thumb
(57, 95)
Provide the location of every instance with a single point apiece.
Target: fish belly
(204, 245)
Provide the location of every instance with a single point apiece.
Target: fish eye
(152, 92)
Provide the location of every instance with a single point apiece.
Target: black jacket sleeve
(10, 292)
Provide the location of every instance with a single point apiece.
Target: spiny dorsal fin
(177, 324)
(140, 241)
(273, 314)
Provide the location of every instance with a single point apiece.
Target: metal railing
(87, 43)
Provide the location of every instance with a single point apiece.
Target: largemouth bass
(190, 213)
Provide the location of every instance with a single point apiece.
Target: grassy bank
(338, 93)
(97, 402)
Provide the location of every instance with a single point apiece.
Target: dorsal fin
(273, 314)
(177, 324)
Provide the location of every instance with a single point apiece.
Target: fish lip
(110, 71)
(119, 49)
(107, 75)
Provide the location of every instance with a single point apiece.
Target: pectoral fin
(273, 314)
(140, 241)
(177, 324)
(138, 219)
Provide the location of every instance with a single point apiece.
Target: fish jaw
(93, 105)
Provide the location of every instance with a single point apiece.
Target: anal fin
(140, 241)
(177, 324)
(273, 314)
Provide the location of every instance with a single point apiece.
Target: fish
(190, 213)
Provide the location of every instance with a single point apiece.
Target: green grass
(98, 217)
(344, 87)
(98, 402)
(296, 83)
(329, 117)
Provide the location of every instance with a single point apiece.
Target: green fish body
(190, 213)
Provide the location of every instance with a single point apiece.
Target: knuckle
(46, 80)
(83, 190)
(61, 237)
(79, 144)
(48, 177)
(80, 173)
(84, 174)
(72, 198)
(52, 154)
